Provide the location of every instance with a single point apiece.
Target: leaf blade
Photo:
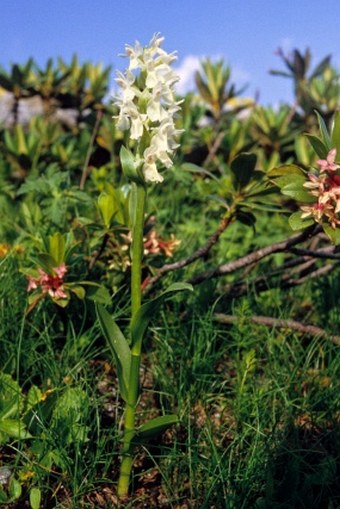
(118, 346)
(155, 427)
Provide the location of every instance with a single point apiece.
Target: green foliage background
(258, 406)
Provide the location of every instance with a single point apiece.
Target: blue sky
(245, 33)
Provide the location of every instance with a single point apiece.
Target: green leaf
(132, 206)
(78, 290)
(282, 176)
(33, 396)
(118, 346)
(97, 293)
(9, 408)
(259, 205)
(246, 217)
(35, 498)
(243, 167)
(296, 191)
(193, 168)
(283, 181)
(324, 132)
(336, 133)
(3, 496)
(14, 428)
(57, 247)
(318, 145)
(14, 489)
(9, 141)
(63, 303)
(296, 223)
(155, 427)
(68, 416)
(147, 311)
(285, 170)
(20, 139)
(129, 166)
(333, 234)
(45, 261)
(106, 208)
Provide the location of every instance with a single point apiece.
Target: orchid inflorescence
(325, 186)
(147, 105)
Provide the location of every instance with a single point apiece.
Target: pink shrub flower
(325, 187)
(329, 164)
(317, 210)
(51, 284)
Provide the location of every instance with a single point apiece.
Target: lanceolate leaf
(318, 145)
(129, 165)
(118, 346)
(336, 134)
(155, 427)
(106, 207)
(243, 167)
(324, 132)
(285, 169)
(147, 311)
(57, 247)
(245, 217)
(97, 293)
(193, 168)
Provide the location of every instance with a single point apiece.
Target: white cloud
(186, 71)
(192, 63)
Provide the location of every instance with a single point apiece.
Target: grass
(258, 407)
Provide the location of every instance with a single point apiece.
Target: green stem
(139, 199)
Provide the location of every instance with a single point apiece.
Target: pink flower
(329, 164)
(51, 284)
(32, 283)
(61, 270)
(56, 291)
(317, 210)
(316, 184)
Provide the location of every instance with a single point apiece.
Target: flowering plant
(325, 186)
(47, 278)
(318, 190)
(147, 109)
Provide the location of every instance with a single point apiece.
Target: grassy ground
(259, 407)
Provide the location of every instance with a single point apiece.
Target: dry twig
(255, 256)
(277, 322)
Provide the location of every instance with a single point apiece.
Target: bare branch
(255, 256)
(214, 149)
(327, 252)
(325, 269)
(281, 324)
(263, 283)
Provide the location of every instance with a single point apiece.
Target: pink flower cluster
(51, 284)
(326, 188)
